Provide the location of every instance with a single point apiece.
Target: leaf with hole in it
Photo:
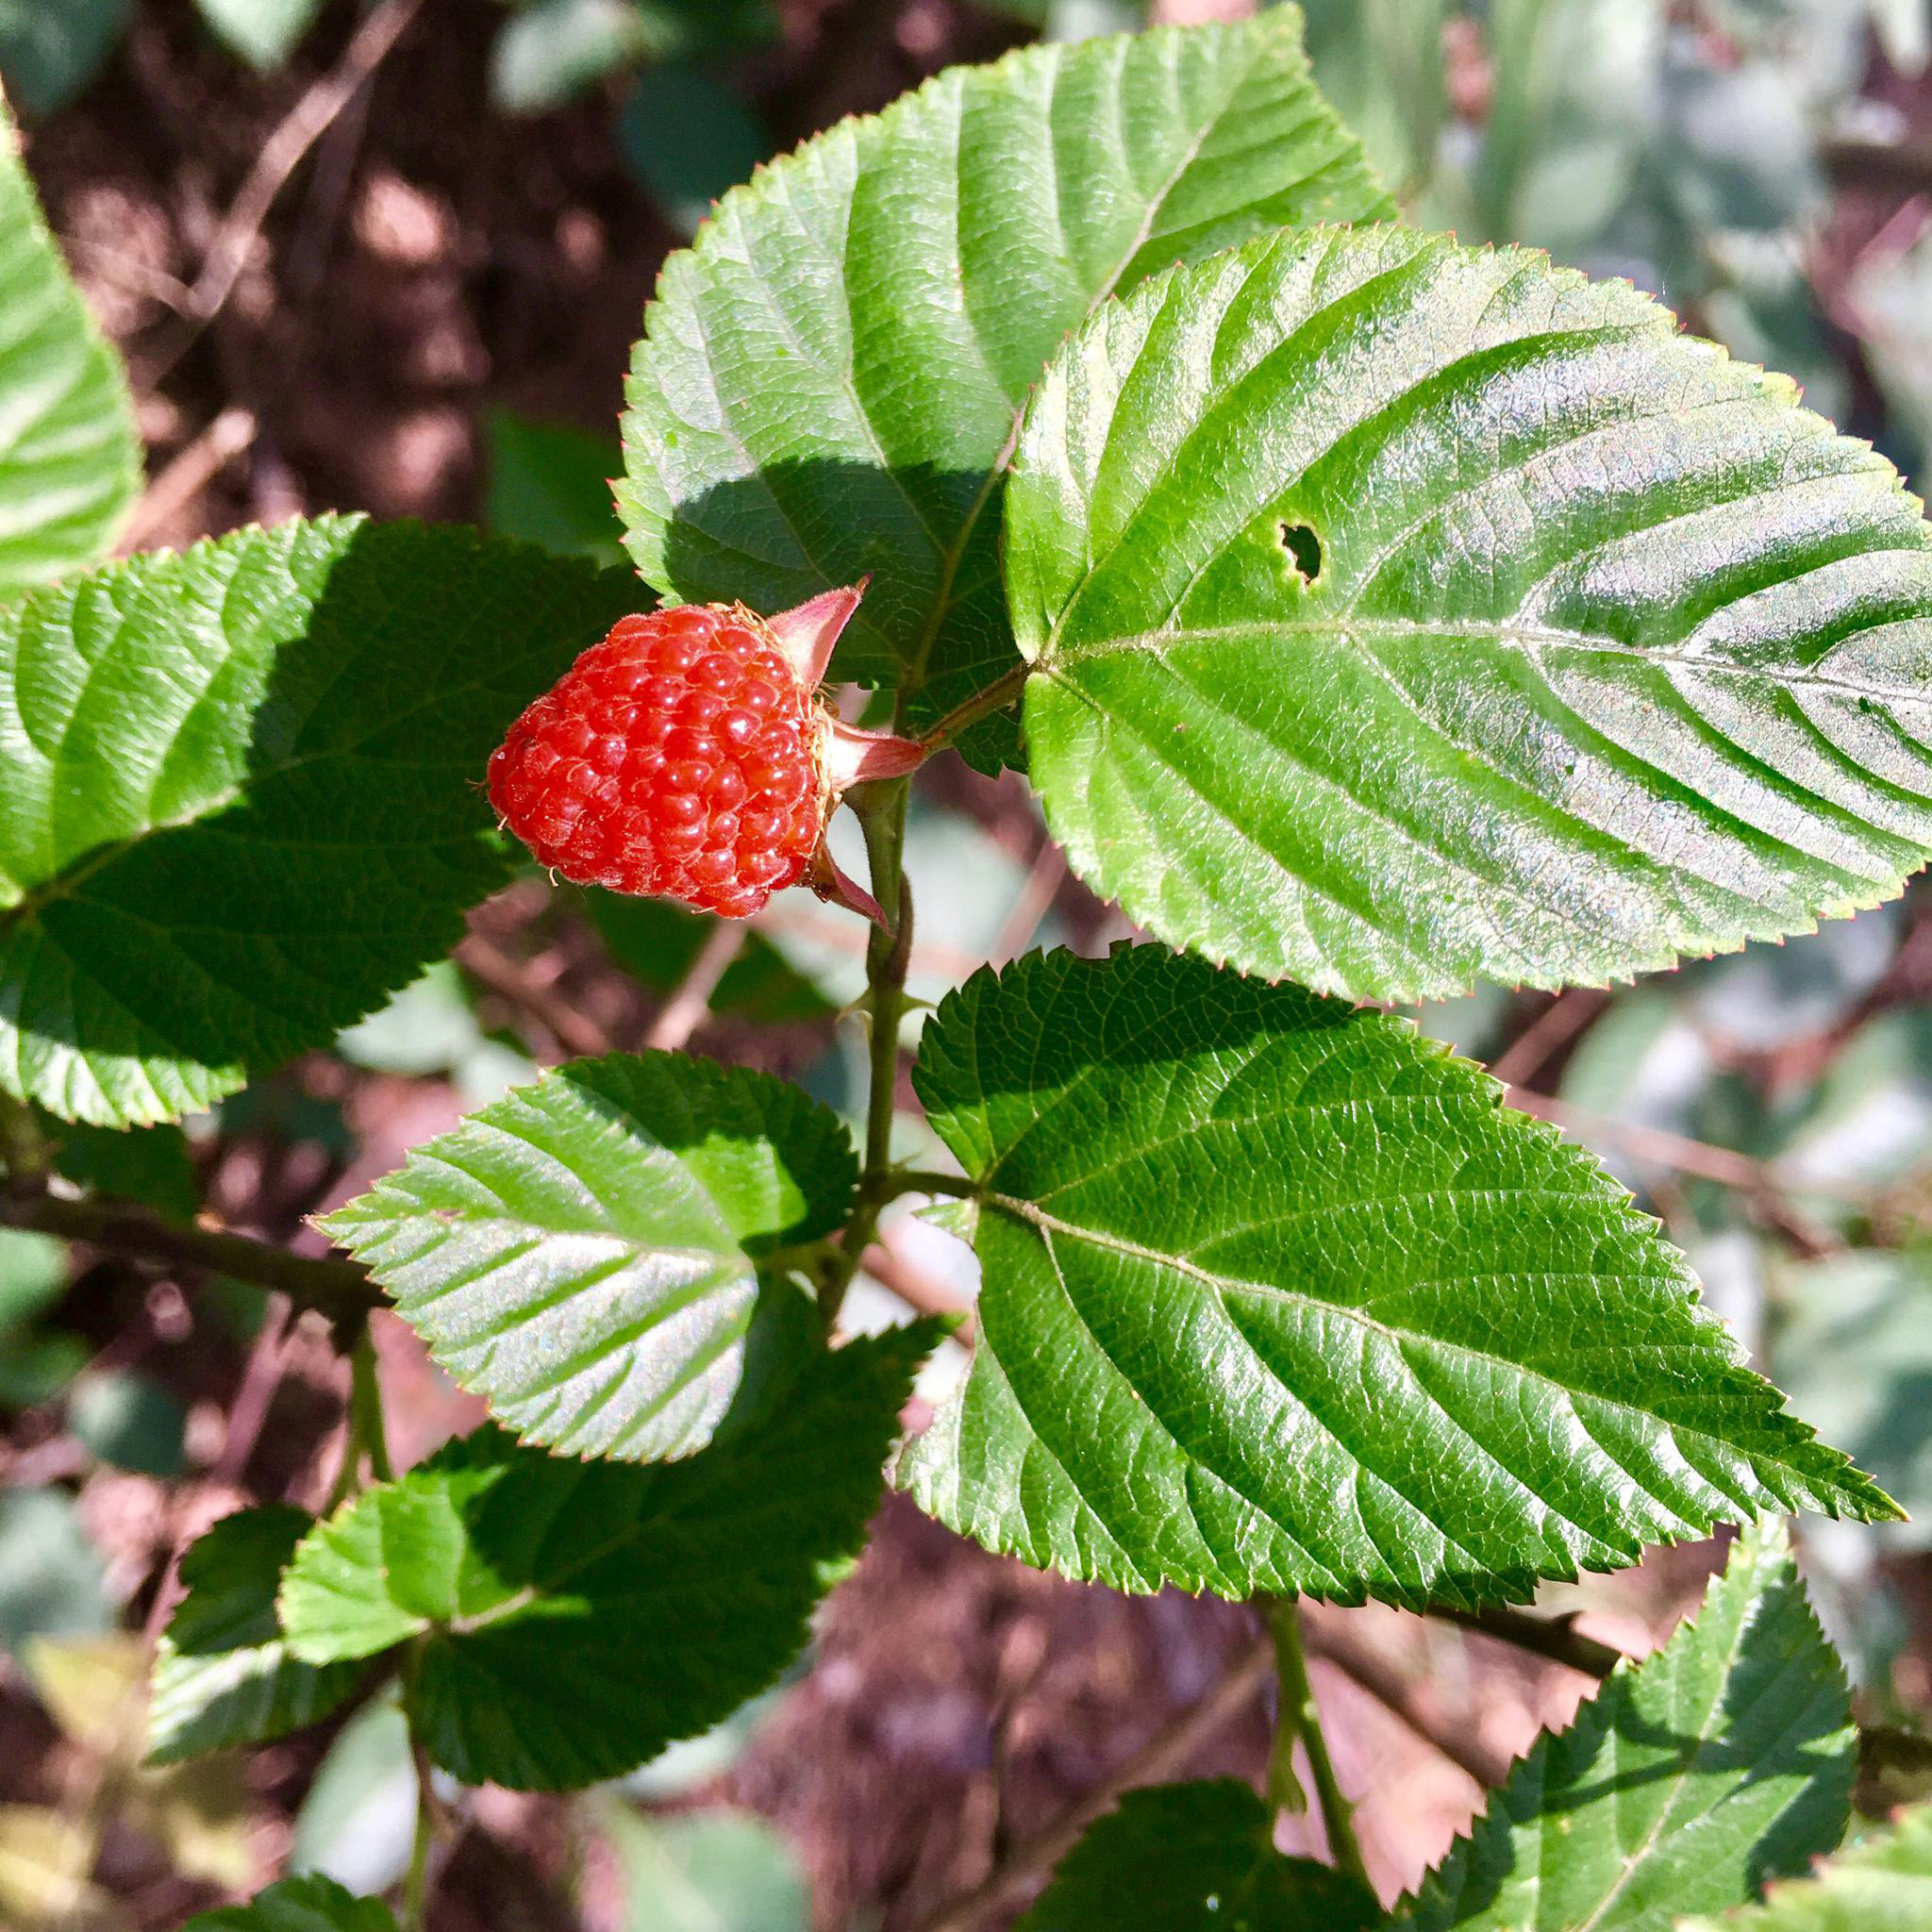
(584, 1253)
(1724, 1760)
(569, 1620)
(69, 459)
(241, 797)
(1279, 1297)
(1195, 1857)
(829, 381)
(309, 1904)
(1882, 1884)
(222, 1675)
(1402, 612)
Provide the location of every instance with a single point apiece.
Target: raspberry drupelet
(688, 756)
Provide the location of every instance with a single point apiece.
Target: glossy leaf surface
(1724, 1760)
(70, 461)
(584, 1253)
(1405, 613)
(829, 381)
(238, 798)
(1279, 1297)
(572, 1618)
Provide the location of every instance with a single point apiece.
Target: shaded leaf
(240, 799)
(550, 484)
(1882, 1885)
(584, 1253)
(655, 940)
(1402, 613)
(49, 51)
(1195, 1857)
(1279, 1297)
(70, 461)
(568, 1619)
(130, 1419)
(829, 381)
(151, 1165)
(299, 1905)
(551, 50)
(221, 1673)
(686, 138)
(1721, 1761)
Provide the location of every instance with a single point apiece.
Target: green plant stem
(338, 1289)
(416, 1880)
(1001, 693)
(1299, 1718)
(881, 811)
(363, 1432)
(24, 1155)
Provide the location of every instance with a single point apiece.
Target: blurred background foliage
(431, 318)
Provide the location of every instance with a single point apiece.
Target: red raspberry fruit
(687, 756)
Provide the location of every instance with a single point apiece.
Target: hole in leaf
(1303, 550)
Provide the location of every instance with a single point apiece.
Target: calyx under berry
(688, 754)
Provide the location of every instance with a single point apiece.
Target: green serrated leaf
(1279, 1297)
(829, 381)
(569, 1620)
(1882, 1885)
(1724, 1760)
(1403, 612)
(240, 796)
(69, 459)
(222, 1675)
(310, 1904)
(584, 1253)
(1195, 1857)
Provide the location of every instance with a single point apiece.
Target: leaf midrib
(1058, 659)
(953, 554)
(1032, 1214)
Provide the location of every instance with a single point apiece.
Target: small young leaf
(240, 796)
(827, 382)
(222, 1675)
(584, 1253)
(1279, 1297)
(569, 1620)
(1403, 612)
(70, 461)
(1723, 1761)
(310, 1904)
(1881, 1884)
(1195, 1857)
